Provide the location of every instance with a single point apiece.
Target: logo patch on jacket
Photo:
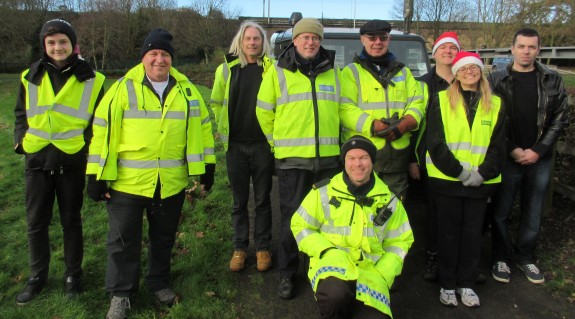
(399, 78)
(326, 88)
(485, 122)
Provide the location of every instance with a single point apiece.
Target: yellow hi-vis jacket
(468, 146)
(297, 115)
(361, 89)
(59, 119)
(330, 217)
(136, 138)
(220, 96)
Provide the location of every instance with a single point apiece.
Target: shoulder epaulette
(321, 183)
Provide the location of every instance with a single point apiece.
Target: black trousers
(336, 300)
(294, 184)
(124, 243)
(42, 188)
(460, 225)
(251, 161)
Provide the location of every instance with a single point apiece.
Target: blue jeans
(531, 181)
(245, 161)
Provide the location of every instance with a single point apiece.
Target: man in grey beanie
(304, 124)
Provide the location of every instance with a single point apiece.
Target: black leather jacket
(551, 107)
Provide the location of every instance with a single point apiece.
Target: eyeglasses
(374, 37)
(312, 38)
(472, 68)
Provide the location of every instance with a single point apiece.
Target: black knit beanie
(358, 141)
(58, 26)
(158, 39)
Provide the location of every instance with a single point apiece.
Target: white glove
(464, 175)
(474, 180)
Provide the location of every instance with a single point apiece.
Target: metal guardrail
(544, 53)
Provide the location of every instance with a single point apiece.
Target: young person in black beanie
(54, 112)
(384, 89)
(151, 132)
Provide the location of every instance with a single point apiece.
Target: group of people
(301, 117)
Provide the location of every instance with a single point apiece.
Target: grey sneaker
(118, 308)
(166, 296)
(468, 297)
(501, 272)
(532, 273)
(447, 297)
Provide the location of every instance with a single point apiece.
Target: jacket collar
(78, 67)
(287, 59)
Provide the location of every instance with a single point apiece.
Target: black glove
(207, 179)
(18, 149)
(96, 189)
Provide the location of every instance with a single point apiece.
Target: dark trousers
(531, 181)
(336, 300)
(42, 188)
(460, 225)
(124, 243)
(294, 184)
(245, 161)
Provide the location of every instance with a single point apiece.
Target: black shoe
(73, 286)
(286, 290)
(33, 287)
(480, 278)
(431, 267)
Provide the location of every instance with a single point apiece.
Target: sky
(340, 9)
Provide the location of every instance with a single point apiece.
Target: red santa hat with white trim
(463, 58)
(446, 37)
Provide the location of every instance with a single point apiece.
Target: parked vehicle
(408, 48)
(500, 62)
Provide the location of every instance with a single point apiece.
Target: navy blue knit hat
(55, 26)
(358, 141)
(158, 39)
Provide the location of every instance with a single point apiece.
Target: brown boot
(238, 260)
(264, 260)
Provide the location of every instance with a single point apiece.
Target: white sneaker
(468, 297)
(447, 297)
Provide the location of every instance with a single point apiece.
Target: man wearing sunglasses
(384, 89)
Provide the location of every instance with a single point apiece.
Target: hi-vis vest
(330, 217)
(138, 139)
(59, 119)
(360, 88)
(291, 109)
(468, 146)
(221, 94)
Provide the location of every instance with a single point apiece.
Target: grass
(199, 263)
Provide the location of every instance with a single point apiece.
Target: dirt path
(411, 298)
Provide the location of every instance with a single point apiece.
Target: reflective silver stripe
(396, 250)
(346, 249)
(465, 165)
(325, 204)
(374, 258)
(364, 289)
(336, 230)
(150, 164)
(225, 71)
(132, 99)
(224, 137)
(282, 84)
(209, 151)
(172, 115)
(479, 150)
(361, 122)
(414, 110)
(94, 158)
(460, 146)
(55, 136)
(368, 232)
(405, 227)
(355, 73)
(175, 115)
(212, 101)
(205, 120)
(193, 158)
(266, 106)
(86, 96)
(225, 102)
(270, 137)
(305, 141)
(285, 97)
(100, 122)
(33, 107)
(303, 234)
(192, 113)
(394, 105)
(309, 219)
(345, 99)
(80, 114)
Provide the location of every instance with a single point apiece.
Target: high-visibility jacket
(299, 113)
(221, 94)
(138, 139)
(403, 96)
(330, 217)
(59, 119)
(420, 147)
(468, 146)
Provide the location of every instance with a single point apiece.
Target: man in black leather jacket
(536, 115)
